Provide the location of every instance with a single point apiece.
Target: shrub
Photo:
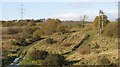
(49, 27)
(31, 23)
(24, 34)
(27, 31)
(95, 45)
(24, 42)
(21, 42)
(49, 41)
(7, 61)
(111, 30)
(96, 21)
(103, 60)
(11, 31)
(36, 54)
(7, 23)
(13, 42)
(85, 50)
(61, 28)
(36, 38)
(80, 24)
(30, 41)
(13, 23)
(118, 19)
(67, 44)
(10, 36)
(54, 59)
(38, 32)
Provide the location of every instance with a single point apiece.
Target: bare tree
(83, 19)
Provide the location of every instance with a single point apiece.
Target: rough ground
(98, 47)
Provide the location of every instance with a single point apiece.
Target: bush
(85, 50)
(7, 61)
(25, 42)
(13, 23)
(10, 36)
(31, 23)
(36, 38)
(13, 42)
(24, 34)
(96, 21)
(36, 54)
(67, 44)
(38, 32)
(54, 59)
(111, 30)
(49, 41)
(11, 31)
(49, 27)
(103, 60)
(95, 46)
(21, 42)
(27, 32)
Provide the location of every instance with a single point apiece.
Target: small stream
(21, 61)
(18, 60)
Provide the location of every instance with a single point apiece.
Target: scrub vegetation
(60, 43)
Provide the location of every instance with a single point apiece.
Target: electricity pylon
(22, 11)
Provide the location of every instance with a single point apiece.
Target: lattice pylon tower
(22, 11)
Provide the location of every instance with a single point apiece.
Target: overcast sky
(59, 0)
(62, 10)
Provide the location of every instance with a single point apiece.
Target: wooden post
(100, 22)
